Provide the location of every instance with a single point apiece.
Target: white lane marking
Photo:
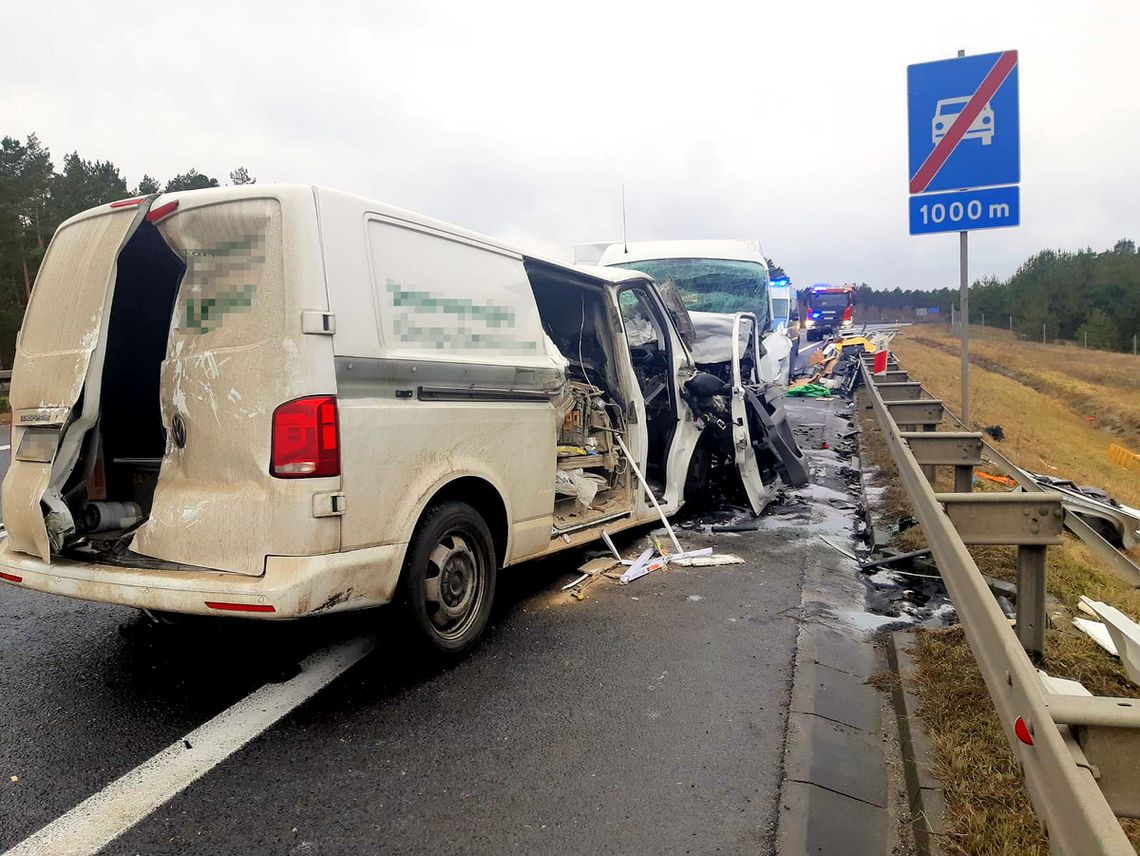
(104, 816)
(7, 448)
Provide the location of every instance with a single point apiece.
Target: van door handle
(329, 504)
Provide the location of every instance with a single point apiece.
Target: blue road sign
(963, 123)
(964, 136)
(963, 210)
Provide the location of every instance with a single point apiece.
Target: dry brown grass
(988, 810)
(1044, 432)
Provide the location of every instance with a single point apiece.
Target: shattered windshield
(714, 285)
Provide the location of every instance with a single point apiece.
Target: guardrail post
(963, 479)
(930, 470)
(1031, 599)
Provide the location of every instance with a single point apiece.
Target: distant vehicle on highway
(947, 110)
(826, 310)
(275, 401)
(715, 280)
(780, 298)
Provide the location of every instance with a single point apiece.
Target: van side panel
(443, 372)
(397, 454)
(236, 352)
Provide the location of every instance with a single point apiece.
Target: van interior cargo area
(110, 490)
(592, 479)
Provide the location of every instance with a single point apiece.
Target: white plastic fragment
(639, 568)
(577, 484)
(571, 585)
(1124, 634)
(692, 561)
(1097, 632)
(1062, 686)
(610, 543)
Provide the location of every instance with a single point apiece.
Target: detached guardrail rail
(1079, 754)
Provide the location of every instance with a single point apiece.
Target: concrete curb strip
(924, 792)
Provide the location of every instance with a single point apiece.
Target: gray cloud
(779, 122)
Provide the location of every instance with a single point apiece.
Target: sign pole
(964, 301)
(963, 139)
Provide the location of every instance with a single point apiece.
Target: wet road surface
(646, 718)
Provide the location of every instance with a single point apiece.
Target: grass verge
(988, 810)
(1044, 433)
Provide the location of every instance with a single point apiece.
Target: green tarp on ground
(809, 390)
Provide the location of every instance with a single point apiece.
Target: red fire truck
(826, 310)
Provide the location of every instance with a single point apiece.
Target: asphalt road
(646, 718)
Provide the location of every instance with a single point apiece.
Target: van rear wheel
(449, 578)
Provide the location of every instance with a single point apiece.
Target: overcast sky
(783, 122)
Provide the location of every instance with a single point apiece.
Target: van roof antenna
(624, 236)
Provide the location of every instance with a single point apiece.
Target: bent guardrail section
(1079, 754)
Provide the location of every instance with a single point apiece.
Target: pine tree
(192, 180)
(241, 176)
(147, 185)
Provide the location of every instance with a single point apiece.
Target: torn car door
(56, 372)
(759, 494)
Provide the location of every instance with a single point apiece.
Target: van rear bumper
(291, 587)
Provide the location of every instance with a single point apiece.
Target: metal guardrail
(1079, 754)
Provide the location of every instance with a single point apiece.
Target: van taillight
(306, 438)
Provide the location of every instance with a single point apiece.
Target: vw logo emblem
(178, 430)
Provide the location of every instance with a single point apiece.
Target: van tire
(448, 582)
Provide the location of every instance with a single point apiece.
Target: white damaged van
(281, 401)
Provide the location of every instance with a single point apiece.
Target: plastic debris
(1126, 458)
(577, 484)
(1062, 686)
(1097, 632)
(1005, 480)
(639, 568)
(1123, 632)
(610, 543)
(707, 561)
(651, 561)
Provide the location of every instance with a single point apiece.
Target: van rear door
(236, 354)
(60, 344)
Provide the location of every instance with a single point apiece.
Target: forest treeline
(1071, 293)
(36, 196)
(1064, 295)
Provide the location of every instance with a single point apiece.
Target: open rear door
(759, 494)
(60, 346)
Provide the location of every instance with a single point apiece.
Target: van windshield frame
(714, 285)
